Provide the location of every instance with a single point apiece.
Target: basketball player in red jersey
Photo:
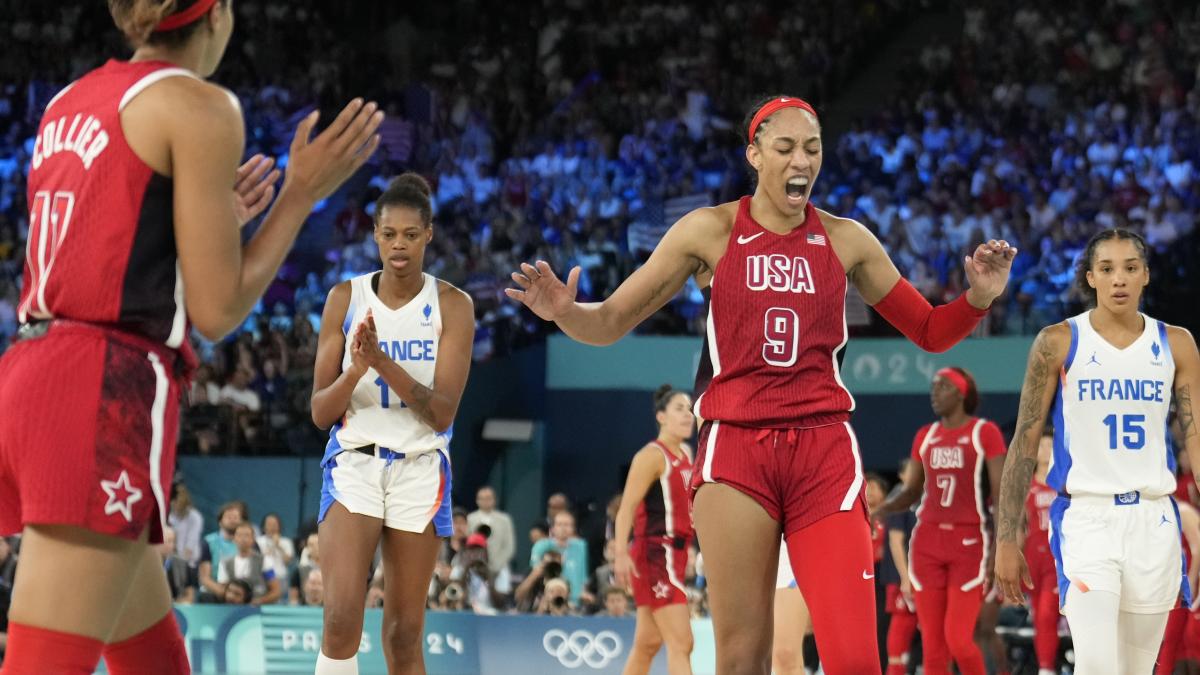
(776, 453)
(136, 198)
(949, 551)
(1044, 591)
(655, 506)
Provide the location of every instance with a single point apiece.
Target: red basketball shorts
(661, 566)
(942, 555)
(88, 423)
(897, 603)
(798, 476)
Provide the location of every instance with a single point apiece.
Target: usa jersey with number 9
(409, 335)
(1110, 414)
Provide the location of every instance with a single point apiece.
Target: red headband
(187, 16)
(955, 378)
(774, 106)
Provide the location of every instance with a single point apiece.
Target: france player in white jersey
(1110, 374)
(391, 365)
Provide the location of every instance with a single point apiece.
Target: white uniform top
(1110, 414)
(409, 335)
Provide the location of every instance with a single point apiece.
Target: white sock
(328, 666)
(1046, 671)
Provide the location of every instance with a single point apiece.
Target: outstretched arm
(1046, 359)
(934, 329)
(645, 291)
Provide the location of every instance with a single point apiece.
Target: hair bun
(411, 181)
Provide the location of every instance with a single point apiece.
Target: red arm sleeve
(992, 440)
(934, 329)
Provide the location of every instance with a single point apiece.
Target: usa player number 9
(781, 329)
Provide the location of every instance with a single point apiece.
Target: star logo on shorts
(121, 496)
(661, 590)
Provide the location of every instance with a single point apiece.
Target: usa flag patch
(816, 239)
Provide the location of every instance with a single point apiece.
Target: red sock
(36, 651)
(962, 612)
(1169, 652)
(158, 650)
(835, 567)
(899, 640)
(1045, 626)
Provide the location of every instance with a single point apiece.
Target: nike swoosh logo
(868, 576)
(970, 542)
(743, 239)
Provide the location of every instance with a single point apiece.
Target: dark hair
(615, 590)
(1088, 257)
(663, 396)
(235, 505)
(410, 190)
(242, 524)
(274, 515)
(971, 398)
(137, 19)
(872, 477)
(753, 110)
(247, 592)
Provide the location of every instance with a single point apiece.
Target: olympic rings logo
(580, 647)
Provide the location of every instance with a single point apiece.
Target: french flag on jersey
(816, 239)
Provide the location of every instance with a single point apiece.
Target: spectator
(236, 592)
(187, 522)
(247, 565)
(244, 402)
(217, 547)
(310, 561)
(556, 598)
(616, 603)
(529, 593)
(603, 579)
(314, 589)
(572, 549)
(277, 550)
(181, 577)
(501, 537)
(485, 592)
(555, 504)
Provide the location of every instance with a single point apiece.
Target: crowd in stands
(579, 142)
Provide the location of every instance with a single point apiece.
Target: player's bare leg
(791, 624)
(646, 643)
(741, 553)
(348, 542)
(675, 626)
(408, 560)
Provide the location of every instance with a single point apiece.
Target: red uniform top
(776, 329)
(953, 460)
(878, 539)
(101, 227)
(665, 511)
(1037, 513)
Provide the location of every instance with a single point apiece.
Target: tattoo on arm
(650, 299)
(1021, 463)
(422, 398)
(1183, 407)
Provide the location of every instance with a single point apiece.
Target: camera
(558, 602)
(454, 592)
(552, 570)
